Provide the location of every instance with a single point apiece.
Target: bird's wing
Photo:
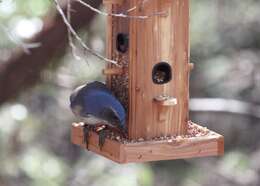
(96, 85)
(109, 112)
(102, 105)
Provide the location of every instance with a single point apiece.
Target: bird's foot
(102, 138)
(86, 135)
(124, 134)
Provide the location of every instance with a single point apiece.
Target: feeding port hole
(122, 42)
(162, 73)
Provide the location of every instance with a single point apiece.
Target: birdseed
(193, 131)
(119, 83)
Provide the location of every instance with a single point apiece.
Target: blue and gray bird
(96, 105)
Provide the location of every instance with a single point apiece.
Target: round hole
(162, 73)
(122, 42)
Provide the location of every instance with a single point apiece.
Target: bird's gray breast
(92, 120)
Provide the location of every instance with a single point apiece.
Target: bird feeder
(152, 82)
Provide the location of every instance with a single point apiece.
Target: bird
(96, 105)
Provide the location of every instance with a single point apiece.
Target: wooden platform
(211, 144)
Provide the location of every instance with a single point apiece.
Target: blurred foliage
(225, 49)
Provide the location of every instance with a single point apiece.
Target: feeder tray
(202, 142)
(151, 80)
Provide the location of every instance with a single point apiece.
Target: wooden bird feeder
(152, 82)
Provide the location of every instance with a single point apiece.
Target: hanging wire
(70, 39)
(78, 38)
(122, 14)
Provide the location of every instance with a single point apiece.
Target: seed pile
(193, 131)
(119, 83)
(160, 76)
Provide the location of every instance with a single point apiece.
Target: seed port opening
(162, 73)
(122, 42)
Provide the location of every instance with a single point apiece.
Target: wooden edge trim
(210, 145)
(119, 2)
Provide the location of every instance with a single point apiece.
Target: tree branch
(222, 105)
(22, 70)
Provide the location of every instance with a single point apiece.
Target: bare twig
(121, 14)
(72, 32)
(70, 39)
(141, 4)
(78, 38)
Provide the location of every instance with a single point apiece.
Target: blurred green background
(35, 148)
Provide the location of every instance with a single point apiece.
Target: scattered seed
(141, 139)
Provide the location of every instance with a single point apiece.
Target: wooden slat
(154, 40)
(113, 71)
(211, 144)
(182, 60)
(133, 87)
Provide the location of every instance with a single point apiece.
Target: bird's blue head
(75, 100)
